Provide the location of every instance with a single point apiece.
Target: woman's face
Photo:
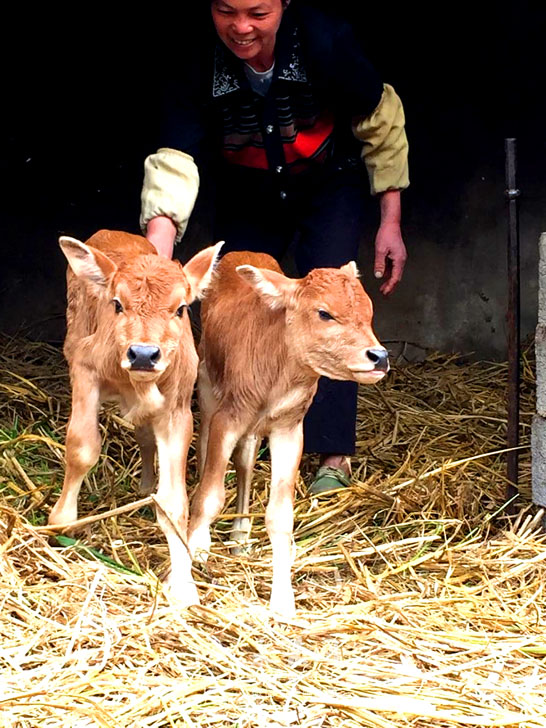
(248, 28)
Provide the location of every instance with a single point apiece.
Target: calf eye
(180, 310)
(324, 315)
(118, 308)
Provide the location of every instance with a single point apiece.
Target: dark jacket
(321, 81)
(326, 102)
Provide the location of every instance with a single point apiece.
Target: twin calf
(266, 340)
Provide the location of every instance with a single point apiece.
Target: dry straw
(419, 602)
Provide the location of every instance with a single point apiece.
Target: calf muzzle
(142, 357)
(380, 359)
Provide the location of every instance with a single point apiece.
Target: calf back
(243, 339)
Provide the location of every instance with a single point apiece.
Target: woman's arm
(171, 183)
(390, 251)
(385, 153)
(161, 232)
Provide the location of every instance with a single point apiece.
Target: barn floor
(420, 603)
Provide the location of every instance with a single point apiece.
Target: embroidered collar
(228, 73)
(290, 66)
(225, 79)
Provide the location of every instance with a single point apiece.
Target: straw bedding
(420, 602)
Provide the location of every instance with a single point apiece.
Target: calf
(266, 340)
(129, 340)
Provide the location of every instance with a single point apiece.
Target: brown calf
(266, 340)
(129, 340)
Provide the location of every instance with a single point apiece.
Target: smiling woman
(249, 28)
(282, 107)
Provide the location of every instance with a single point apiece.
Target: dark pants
(323, 214)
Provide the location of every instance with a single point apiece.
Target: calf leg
(207, 406)
(286, 447)
(209, 496)
(144, 436)
(244, 457)
(173, 435)
(82, 445)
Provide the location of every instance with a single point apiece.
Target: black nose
(143, 357)
(380, 359)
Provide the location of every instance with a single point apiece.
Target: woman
(286, 106)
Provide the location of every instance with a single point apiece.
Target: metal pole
(512, 317)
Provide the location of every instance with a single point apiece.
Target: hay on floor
(420, 603)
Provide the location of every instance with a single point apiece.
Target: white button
(269, 129)
(278, 169)
(283, 195)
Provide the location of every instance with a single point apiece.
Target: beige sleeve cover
(385, 146)
(171, 183)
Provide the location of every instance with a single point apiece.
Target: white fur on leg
(65, 511)
(181, 589)
(172, 441)
(199, 540)
(199, 544)
(209, 497)
(282, 594)
(286, 448)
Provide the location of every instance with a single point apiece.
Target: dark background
(78, 118)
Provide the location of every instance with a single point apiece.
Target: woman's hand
(390, 251)
(390, 256)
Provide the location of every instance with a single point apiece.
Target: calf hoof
(240, 549)
(180, 594)
(241, 545)
(201, 556)
(199, 545)
(60, 516)
(283, 606)
(146, 486)
(240, 535)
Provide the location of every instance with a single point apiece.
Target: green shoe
(328, 479)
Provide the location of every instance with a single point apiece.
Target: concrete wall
(538, 439)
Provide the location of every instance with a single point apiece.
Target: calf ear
(275, 288)
(87, 262)
(351, 269)
(200, 269)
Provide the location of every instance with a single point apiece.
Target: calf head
(141, 303)
(328, 320)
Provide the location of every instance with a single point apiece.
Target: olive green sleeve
(171, 183)
(385, 146)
